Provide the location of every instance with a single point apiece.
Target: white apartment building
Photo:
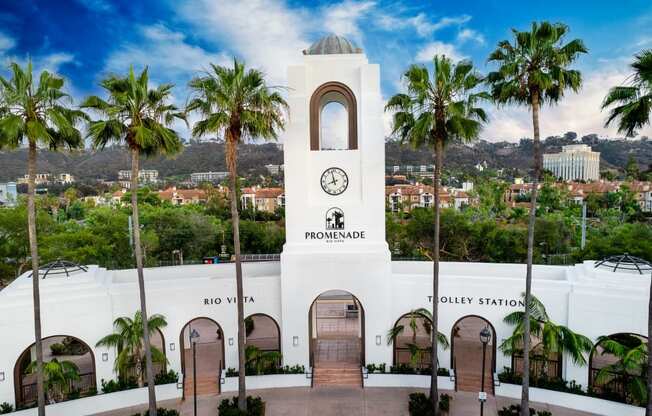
(8, 194)
(575, 162)
(199, 177)
(144, 175)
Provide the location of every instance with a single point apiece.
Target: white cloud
(576, 112)
(426, 53)
(169, 56)
(467, 34)
(420, 23)
(267, 34)
(343, 18)
(6, 42)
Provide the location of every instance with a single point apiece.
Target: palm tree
(257, 360)
(58, 377)
(534, 70)
(128, 342)
(237, 103)
(554, 339)
(633, 111)
(36, 114)
(432, 113)
(416, 317)
(138, 117)
(630, 368)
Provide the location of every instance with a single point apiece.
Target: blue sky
(86, 39)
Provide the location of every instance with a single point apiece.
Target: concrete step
(208, 385)
(330, 376)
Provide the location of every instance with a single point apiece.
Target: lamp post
(485, 337)
(194, 335)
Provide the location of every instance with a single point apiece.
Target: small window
(333, 118)
(333, 124)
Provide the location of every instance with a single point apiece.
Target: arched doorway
(336, 322)
(208, 339)
(263, 333)
(466, 353)
(62, 348)
(412, 344)
(608, 377)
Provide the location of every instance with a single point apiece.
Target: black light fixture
(485, 335)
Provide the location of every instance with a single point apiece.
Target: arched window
(67, 351)
(333, 118)
(614, 371)
(412, 341)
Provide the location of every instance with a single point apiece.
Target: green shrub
(295, 369)
(6, 408)
(515, 410)
(57, 349)
(112, 386)
(160, 412)
(421, 405)
(166, 378)
(555, 383)
(249, 325)
(229, 407)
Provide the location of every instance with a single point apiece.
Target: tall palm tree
(633, 111)
(128, 342)
(237, 103)
(416, 317)
(139, 118)
(533, 71)
(554, 339)
(432, 113)
(58, 376)
(36, 114)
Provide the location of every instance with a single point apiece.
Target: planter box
(406, 380)
(572, 401)
(271, 381)
(105, 402)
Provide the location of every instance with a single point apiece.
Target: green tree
(139, 118)
(631, 169)
(630, 367)
(35, 113)
(534, 70)
(237, 103)
(258, 361)
(434, 112)
(553, 339)
(58, 377)
(416, 317)
(128, 340)
(633, 102)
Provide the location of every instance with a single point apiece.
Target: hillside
(202, 157)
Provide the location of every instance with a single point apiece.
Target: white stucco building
(575, 162)
(335, 292)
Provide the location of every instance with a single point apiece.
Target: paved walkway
(334, 401)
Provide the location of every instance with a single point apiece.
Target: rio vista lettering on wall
(467, 300)
(227, 300)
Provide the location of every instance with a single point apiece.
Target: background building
(213, 177)
(575, 162)
(8, 194)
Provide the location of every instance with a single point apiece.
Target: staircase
(333, 376)
(472, 382)
(205, 385)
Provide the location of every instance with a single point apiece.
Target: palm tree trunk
(648, 409)
(434, 393)
(141, 281)
(231, 155)
(36, 293)
(525, 392)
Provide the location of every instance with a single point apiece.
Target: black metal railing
(84, 385)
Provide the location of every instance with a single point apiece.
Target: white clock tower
(334, 185)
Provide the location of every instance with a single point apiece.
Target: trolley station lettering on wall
(468, 300)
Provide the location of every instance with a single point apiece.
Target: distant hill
(202, 157)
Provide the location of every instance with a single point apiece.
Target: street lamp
(194, 335)
(485, 337)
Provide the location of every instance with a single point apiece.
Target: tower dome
(332, 44)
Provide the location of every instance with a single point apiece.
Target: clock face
(334, 181)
